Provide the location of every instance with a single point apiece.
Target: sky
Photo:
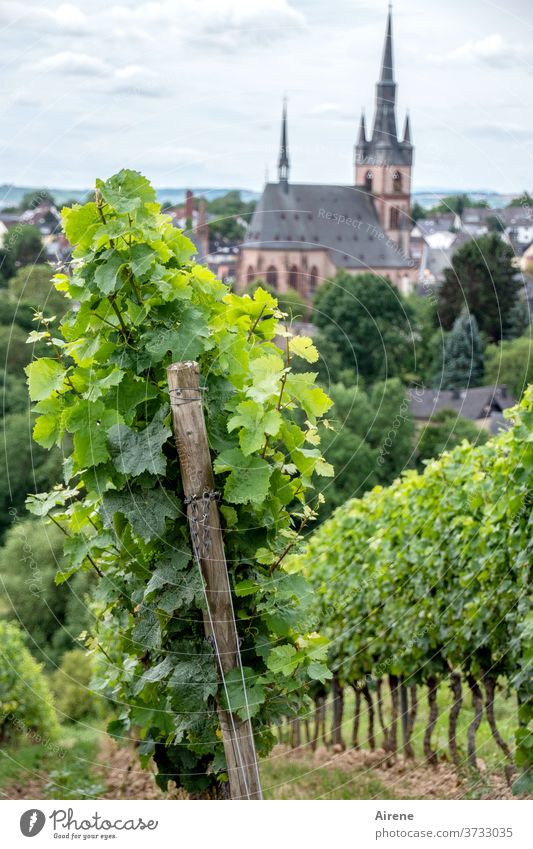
(189, 91)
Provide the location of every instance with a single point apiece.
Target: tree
(7, 266)
(495, 224)
(369, 322)
(52, 616)
(445, 430)
(525, 200)
(32, 285)
(457, 204)
(370, 441)
(429, 340)
(482, 278)
(13, 393)
(511, 364)
(518, 320)
(14, 352)
(26, 700)
(25, 245)
(229, 212)
(17, 313)
(417, 212)
(35, 198)
(392, 429)
(463, 355)
(24, 467)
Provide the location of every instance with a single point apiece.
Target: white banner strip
(268, 825)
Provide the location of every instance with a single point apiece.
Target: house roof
(475, 403)
(436, 259)
(340, 219)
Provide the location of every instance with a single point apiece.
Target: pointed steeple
(387, 73)
(362, 130)
(407, 130)
(283, 162)
(384, 132)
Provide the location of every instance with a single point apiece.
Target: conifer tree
(463, 355)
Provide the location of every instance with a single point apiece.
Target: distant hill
(12, 195)
(431, 197)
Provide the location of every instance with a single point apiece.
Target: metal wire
(186, 399)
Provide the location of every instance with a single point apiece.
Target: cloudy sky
(189, 91)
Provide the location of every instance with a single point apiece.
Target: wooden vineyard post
(204, 521)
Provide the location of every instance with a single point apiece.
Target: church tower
(383, 163)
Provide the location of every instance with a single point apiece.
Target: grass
(71, 774)
(287, 779)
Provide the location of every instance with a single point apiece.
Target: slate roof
(474, 403)
(427, 226)
(341, 219)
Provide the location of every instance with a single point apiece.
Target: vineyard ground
(93, 767)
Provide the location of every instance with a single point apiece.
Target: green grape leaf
(90, 447)
(44, 377)
(80, 222)
(255, 423)
(138, 451)
(244, 699)
(249, 478)
(303, 347)
(153, 675)
(146, 510)
(147, 630)
(319, 671)
(127, 191)
(106, 275)
(312, 398)
(194, 678)
(266, 373)
(283, 660)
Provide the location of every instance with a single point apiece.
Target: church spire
(384, 131)
(283, 162)
(387, 73)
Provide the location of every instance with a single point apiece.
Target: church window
(250, 274)
(272, 276)
(394, 218)
(397, 181)
(313, 279)
(293, 277)
(369, 179)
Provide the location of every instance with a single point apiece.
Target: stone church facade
(301, 234)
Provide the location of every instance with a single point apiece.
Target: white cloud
(325, 109)
(130, 72)
(178, 156)
(65, 18)
(222, 23)
(492, 50)
(68, 62)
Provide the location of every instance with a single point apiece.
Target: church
(301, 234)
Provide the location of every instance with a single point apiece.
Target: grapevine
(139, 302)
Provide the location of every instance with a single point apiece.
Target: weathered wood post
(204, 521)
